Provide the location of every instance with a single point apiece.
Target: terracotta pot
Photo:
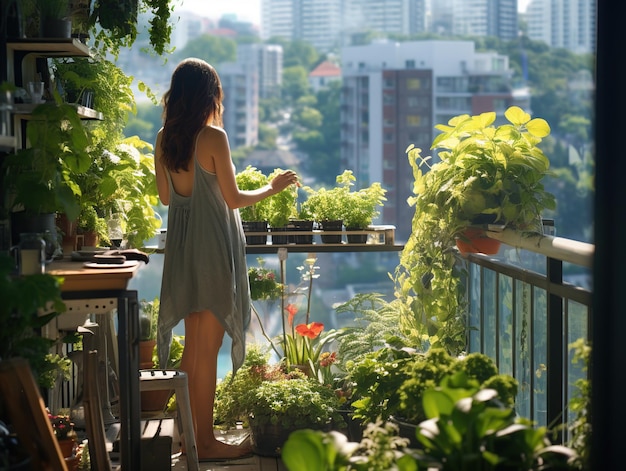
(146, 348)
(67, 446)
(474, 240)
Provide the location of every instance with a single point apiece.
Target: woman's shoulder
(212, 132)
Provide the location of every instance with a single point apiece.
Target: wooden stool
(154, 380)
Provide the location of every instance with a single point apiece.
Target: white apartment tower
(268, 60)
(326, 24)
(317, 22)
(568, 24)
(241, 103)
(392, 96)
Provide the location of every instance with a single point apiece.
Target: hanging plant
(119, 20)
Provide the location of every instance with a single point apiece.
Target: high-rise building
(496, 18)
(268, 60)
(394, 93)
(568, 24)
(241, 103)
(327, 24)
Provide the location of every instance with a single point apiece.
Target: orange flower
(311, 330)
(292, 310)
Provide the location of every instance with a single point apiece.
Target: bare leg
(203, 339)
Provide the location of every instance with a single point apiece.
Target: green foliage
(42, 178)
(58, 9)
(375, 323)
(113, 24)
(469, 428)
(391, 381)
(484, 171)
(313, 450)
(283, 205)
(252, 178)
(22, 299)
(298, 402)
(580, 404)
(148, 319)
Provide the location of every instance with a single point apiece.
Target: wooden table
(99, 290)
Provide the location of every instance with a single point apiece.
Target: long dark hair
(194, 98)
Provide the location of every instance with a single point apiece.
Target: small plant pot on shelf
(356, 238)
(304, 226)
(255, 226)
(277, 237)
(474, 240)
(336, 225)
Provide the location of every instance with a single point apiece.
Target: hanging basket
(475, 240)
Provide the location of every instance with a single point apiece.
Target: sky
(246, 10)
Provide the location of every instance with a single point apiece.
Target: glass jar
(31, 254)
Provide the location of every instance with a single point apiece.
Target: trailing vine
(118, 20)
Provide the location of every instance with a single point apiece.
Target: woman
(205, 279)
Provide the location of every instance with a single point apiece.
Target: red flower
(292, 310)
(311, 330)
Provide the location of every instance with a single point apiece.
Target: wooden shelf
(50, 46)
(24, 110)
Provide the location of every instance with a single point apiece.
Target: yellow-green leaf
(517, 116)
(538, 127)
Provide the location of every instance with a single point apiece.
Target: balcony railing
(525, 316)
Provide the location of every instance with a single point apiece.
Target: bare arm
(213, 153)
(161, 177)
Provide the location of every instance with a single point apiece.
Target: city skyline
(248, 10)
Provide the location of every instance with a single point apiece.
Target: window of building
(410, 64)
(413, 120)
(413, 84)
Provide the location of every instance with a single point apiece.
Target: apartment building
(394, 93)
(568, 24)
(268, 60)
(240, 83)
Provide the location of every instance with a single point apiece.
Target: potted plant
(91, 227)
(23, 297)
(390, 382)
(361, 207)
(120, 178)
(485, 172)
(468, 427)
(280, 209)
(327, 206)
(253, 217)
(53, 18)
(273, 402)
(40, 180)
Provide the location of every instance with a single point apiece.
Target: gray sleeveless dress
(205, 264)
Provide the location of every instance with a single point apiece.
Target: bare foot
(220, 450)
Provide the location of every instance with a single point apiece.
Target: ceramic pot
(474, 240)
